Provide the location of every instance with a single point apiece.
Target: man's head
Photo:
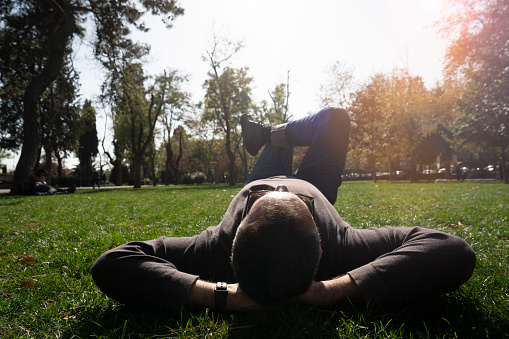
(276, 250)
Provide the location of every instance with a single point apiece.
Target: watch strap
(220, 295)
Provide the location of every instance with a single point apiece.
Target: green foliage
(60, 117)
(49, 244)
(278, 112)
(36, 36)
(395, 116)
(88, 141)
(370, 121)
(228, 96)
(193, 178)
(478, 53)
(23, 40)
(176, 107)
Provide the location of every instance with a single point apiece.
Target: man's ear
(321, 253)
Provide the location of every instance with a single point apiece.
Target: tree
(116, 160)
(55, 24)
(52, 24)
(228, 96)
(409, 112)
(443, 113)
(120, 141)
(391, 116)
(141, 109)
(205, 148)
(429, 148)
(60, 117)
(339, 89)
(279, 112)
(369, 121)
(478, 52)
(88, 141)
(177, 103)
(174, 158)
(21, 59)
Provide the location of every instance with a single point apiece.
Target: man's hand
(316, 295)
(329, 292)
(237, 300)
(201, 294)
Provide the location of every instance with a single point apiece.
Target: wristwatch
(220, 295)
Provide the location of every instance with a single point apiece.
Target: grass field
(49, 243)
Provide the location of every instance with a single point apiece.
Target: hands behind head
(319, 293)
(329, 292)
(238, 300)
(316, 295)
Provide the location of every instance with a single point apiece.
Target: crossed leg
(327, 134)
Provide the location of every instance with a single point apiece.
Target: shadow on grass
(10, 202)
(444, 317)
(13, 199)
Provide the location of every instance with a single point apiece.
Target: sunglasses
(255, 195)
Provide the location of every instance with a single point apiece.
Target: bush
(67, 181)
(193, 178)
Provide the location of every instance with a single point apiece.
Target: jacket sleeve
(397, 263)
(158, 274)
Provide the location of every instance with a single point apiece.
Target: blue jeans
(326, 133)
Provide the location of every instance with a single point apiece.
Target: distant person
(103, 179)
(42, 188)
(282, 240)
(95, 179)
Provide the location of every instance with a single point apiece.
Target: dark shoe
(255, 135)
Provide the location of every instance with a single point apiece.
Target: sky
(296, 36)
(302, 37)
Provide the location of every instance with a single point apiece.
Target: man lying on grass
(282, 240)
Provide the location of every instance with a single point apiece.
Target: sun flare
(434, 6)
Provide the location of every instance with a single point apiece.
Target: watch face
(221, 286)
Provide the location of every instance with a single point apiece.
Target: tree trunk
(31, 140)
(231, 169)
(48, 150)
(504, 169)
(117, 171)
(392, 170)
(64, 25)
(172, 161)
(372, 165)
(244, 161)
(447, 166)
(153, 167)
(167, 165)
(177, 176)
(137, 171)
(231, 159)
(177, 161)
(413, 172)
(59, 167)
